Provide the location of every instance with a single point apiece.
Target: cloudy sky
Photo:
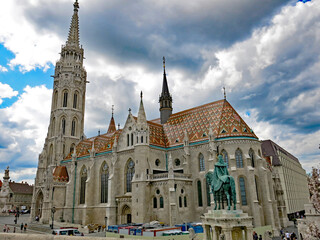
(266, 54)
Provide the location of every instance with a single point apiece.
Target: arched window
(208, 194)
(243, 191)
(155, 202)
(129, 175)
(104, 177)
(65, 99)
(239, 160)
(73, 127)
(128, 140)
(257, 187)
(83, 179)
(201, 162)
(185, 201)
(51, 154)
(200, 204)
(55, 99)
(161, 202)
(75, 100)
(63, 126)
(131, 139)
(225, 157)
(251, 154)
(180, 202)
(141, 139)
(53, 127)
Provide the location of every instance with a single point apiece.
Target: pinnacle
(73, 37)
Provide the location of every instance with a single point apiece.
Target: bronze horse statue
(220, 183)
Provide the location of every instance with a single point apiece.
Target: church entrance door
(126, 215)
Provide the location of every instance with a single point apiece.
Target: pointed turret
(73, 37)
(112, 125)
(165, 99)
(141, 114)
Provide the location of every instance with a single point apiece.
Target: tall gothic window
(185, 201)
(131, 139)
(128, 140)
(239, 160)
(200, 204)
(55, 99)
(225, 157)
(129, 175)
(243, 191)
(65, 99)
(141, 139)
(251, 155)
(180, 202)
(83, 179)
(75, 100)
(53, 127)
(257, 188)
(161, 202)
(104, 177)
(73, 127)
(155, 202)
(201, 162)
(208, 194)
(63, 126)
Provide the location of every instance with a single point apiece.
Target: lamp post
(53, 210)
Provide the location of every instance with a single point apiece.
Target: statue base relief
(227, 225)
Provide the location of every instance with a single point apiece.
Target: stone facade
(149, 170)
(293, 178)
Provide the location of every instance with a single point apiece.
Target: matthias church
(151, 169)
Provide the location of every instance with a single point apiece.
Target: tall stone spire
(73, 37)
(112, 125)
(141, 114)
(165, 99)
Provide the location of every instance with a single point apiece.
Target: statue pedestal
(227, 225)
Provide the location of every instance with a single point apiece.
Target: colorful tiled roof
(219, 115)
(23, 188)
(60, 174)
(102, 143)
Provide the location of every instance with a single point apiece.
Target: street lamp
(53, 210)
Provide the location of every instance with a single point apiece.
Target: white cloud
(6, 92)
(3, 69)
(18, 175)
(32, 48)
(24, 127)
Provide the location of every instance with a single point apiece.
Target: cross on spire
(112, 109)
(224, 93)
(164, 63)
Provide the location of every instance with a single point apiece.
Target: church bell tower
(66, 119)
(165, 98)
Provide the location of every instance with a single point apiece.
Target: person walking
(260, 237)
(287, 235)
(21, 227)
(5, 228)
(25, 227)
(14, 230)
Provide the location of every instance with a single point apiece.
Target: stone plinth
(227, 225)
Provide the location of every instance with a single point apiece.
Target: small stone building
(15, 195)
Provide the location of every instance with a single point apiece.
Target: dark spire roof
(165, 89)
(112, 125)
(73, 37)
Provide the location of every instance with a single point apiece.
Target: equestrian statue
(221, 183)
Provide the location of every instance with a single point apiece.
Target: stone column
(249, 232)
(227, 232)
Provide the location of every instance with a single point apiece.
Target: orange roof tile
(60, 174)
(219, 115)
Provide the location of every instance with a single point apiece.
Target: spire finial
(164, 63)
(76, 5)
(118, 126)
(112, 109)
(224, 93)
(141, 95)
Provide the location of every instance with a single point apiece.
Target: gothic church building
(150, 169)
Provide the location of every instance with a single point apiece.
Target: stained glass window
(161, 202)
(239, 160)
(200, 204)
(201, 162)
(104, 183)
(83, 179)
(65, 99)
(129, 174)
(243, 191)
(225, 157)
